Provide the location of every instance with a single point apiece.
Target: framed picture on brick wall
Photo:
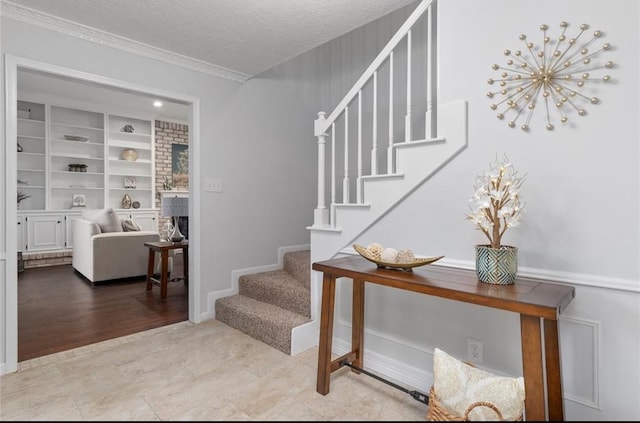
(180, 165)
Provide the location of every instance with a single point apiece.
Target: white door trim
(9, 301)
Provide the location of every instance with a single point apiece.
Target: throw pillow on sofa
(106, 219)
(128, 225)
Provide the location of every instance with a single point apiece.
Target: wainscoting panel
(580, 341)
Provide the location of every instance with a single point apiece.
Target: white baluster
(332, 218)
(374, 150)
(390, 149)
(407, 119)
(345, 180)
(320, 215)
(359, 178)
(428, 117)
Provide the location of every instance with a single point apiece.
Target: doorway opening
(17, 68)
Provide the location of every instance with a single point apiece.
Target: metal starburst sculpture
(551, 77)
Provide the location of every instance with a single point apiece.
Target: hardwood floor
(58, 309)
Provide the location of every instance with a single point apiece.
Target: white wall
(581, 225)
(256, 138)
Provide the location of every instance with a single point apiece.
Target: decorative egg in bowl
(391, 259)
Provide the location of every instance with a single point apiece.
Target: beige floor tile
(56, 409)
(289, 409)
(190, 372)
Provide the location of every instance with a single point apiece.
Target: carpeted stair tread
(298, 264)
(262, 321)
(270, 304)
(277, 287)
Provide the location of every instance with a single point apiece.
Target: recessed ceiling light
(157, 103)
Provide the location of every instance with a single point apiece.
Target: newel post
(321, 214)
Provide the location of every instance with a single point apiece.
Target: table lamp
(175, 207)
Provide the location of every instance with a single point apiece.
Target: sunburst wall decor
(551, 76)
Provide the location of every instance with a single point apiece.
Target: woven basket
(436, 412)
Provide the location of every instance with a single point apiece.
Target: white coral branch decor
(496, 204)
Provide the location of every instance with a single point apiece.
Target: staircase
(270, 304)
(375, 149)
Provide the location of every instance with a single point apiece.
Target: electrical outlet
(474, 350)
(213, 185)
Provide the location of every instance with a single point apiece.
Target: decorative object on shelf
(127, 128)
(175, 207)
(135, 204)
(180, 165)
(495, 207)
(76, 138)
(24, 114)
(23, 182)
(369, 253)
(130, 182)
(129, 154)
(77, 167)
(166, 185)
(551, 77)
(22, 196)
(78, 200)
(126, 201)
(20, 149)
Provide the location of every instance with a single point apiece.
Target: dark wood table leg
(357, 323)
(164, 272)
(554, 374)
(326, 333)
(185, 264)
(150, 267)
(531, 337)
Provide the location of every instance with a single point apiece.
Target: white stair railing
(325, 126)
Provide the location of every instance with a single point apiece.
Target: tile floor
(185, 371)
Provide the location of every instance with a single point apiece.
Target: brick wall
(167, 133)
(46, 258)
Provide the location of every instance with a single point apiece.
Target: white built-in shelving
(32, 153)
(89, 151)
(119, 167)
(51, 137)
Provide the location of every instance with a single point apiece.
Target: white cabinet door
(146, 219)
(20, 233)
(45, 232)
(68, 223)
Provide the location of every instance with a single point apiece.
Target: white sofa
(101, 256)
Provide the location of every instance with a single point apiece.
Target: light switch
(213, 185)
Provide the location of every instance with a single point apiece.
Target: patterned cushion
(458, 385)
(107, 219)
(128, 225)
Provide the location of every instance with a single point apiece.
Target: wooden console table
(536, 301)
(163, 248)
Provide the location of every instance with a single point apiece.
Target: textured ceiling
(246, 36)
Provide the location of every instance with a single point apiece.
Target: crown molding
(44, 20)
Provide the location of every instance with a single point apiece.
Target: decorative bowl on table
(381, 263)
(75, 138)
